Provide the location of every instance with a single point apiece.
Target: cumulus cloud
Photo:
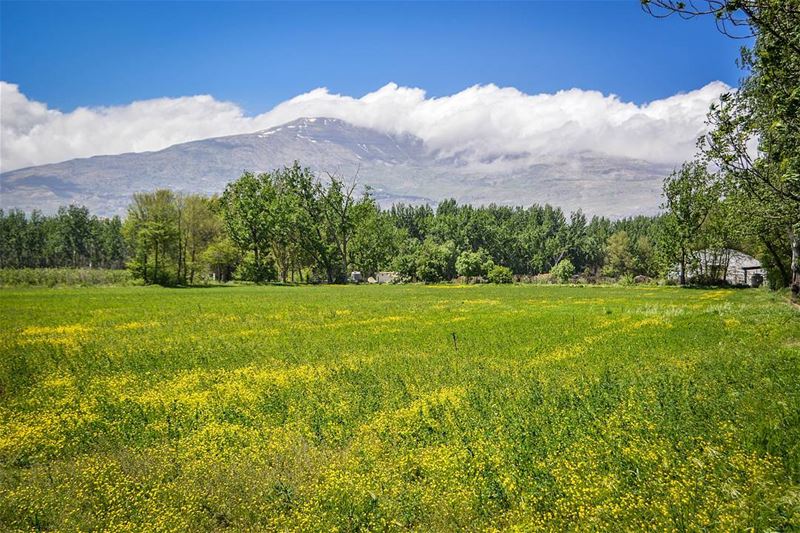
(483, 120)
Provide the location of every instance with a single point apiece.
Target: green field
(432, 408)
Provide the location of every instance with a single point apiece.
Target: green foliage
(690, 194)
(265, 408)
(762, 185)
(435, 262)
(473, 264)
(248, 209)
(290, 222)
(376, 241)
(500, 274)
(222, 258)
(152, 233)
(626, 280)
(167, 234)
(640, 255)
(619, 258)
(405, 263)
(70, 238)
(200, 228)
(307, 224)
(260, 271)
(563, 271)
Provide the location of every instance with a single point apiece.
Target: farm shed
(735, 267)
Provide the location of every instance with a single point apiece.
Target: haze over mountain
(399, 168)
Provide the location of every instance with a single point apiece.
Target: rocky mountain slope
(398, 167)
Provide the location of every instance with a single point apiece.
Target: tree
(376, 241)
(200, 227)
(339, 215)
(13, 236)
(246, 207)
(737, 18)
(283, 215)
(314, 220)
(619, 259)
(70, 238)
(645, 259)
(689, 194)
(151, 229)
(762, 113)
(435, 262)
(415, 220)
(221, 257)
(110, 243)
(474, 264)
(74, 234)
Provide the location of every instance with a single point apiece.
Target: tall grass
(53, 277)
(429, 408)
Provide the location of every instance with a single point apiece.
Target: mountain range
(399, 168)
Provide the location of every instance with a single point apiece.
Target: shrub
(563, 271)
(500, 274)
(626, 279)
(435, 262)
(474, 264)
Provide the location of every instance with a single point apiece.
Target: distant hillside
(398, 167)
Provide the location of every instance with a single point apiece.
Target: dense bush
(500, 274)
(474, 264)
(52, 277)
(563, 271)
(435, 262)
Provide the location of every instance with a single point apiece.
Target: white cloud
(486, 120)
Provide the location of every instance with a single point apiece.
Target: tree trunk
(683, 266)
(786, 275)
(344, 259)
(191, 272)
(155, 267)
(256, 253)
(794, 238)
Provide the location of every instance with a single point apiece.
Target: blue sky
(259, 54)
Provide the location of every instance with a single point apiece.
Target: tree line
(289, 225)
(322, 227)
(70, 238)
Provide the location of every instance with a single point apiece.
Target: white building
(735, 267)
(386, 277)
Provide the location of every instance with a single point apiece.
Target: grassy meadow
(430, 408)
